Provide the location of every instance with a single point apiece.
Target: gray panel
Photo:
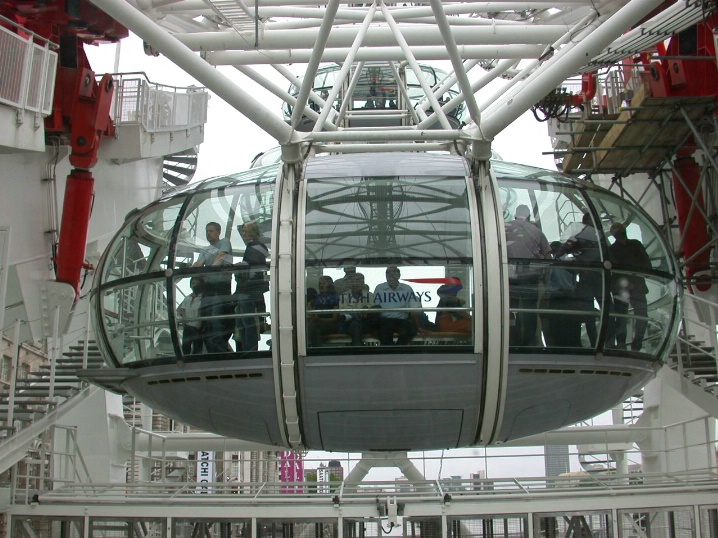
(390, 429)
(549, 415)
(545, 393)
(232, 398)
(390, 388)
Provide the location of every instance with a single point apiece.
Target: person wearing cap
(525, 242)
(628, 288)
(452, 321)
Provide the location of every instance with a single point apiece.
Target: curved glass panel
(388, 261)
(216, 240)
(136, 322)
(641, 286)
(143, 245)
(226, 232)
(553, 249)
(586, 269)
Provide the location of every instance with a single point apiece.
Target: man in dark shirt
(629, 289)
(251, 286)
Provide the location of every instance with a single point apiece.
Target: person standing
(629, 289)
(216, 299)
(251, 286)
(189, 312)
(391, 295)
(525, 242)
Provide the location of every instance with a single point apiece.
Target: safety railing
(686, 449)
(157, 107)
(698, 339)
(27, 71)
(614, 87)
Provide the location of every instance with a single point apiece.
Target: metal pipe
(279, 92)
(409, 55)
(320, 42)
(338, 55)
(376, 37)
(456, 61)
(346, 66)
(560, 67)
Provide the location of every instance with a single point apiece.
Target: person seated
(344, 284)
(357, 323)
(452, 321)
(318, 324)
(391, 296)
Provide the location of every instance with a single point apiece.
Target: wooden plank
(643, 137)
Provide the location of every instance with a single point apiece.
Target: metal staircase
(32, 405)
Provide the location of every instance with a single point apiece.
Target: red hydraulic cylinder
(76, 210)
(692, 224)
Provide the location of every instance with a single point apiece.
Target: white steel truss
(532, 46)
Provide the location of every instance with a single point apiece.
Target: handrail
(28, 80)
(424, 491)
(157, 107)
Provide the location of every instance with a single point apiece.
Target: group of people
(393, 309)
(212, 314)
(570, 290)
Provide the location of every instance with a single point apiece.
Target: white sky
(232, 141)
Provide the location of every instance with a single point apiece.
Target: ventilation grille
(572, 371)
(208, 377)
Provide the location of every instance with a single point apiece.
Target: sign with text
(205, 471)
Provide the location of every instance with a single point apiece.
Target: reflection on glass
(135, 319)
(189, 315)
(370, 312)
(609, 277)
(219, 234)
(378, 249)
(143, 246)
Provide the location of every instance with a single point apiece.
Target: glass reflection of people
(452, 321)
(216, 299)
(393, 294)
(320, 324)
(525, 242)
(355, 324)
(629, 289)
(189, 312)
(251, 286)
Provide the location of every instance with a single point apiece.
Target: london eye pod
(485, 338)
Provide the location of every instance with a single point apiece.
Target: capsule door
(388, 352)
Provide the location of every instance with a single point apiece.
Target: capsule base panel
(391, 401)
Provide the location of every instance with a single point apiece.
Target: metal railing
(27, 72)
(614, 87)
(698, 337)
(157, 107)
